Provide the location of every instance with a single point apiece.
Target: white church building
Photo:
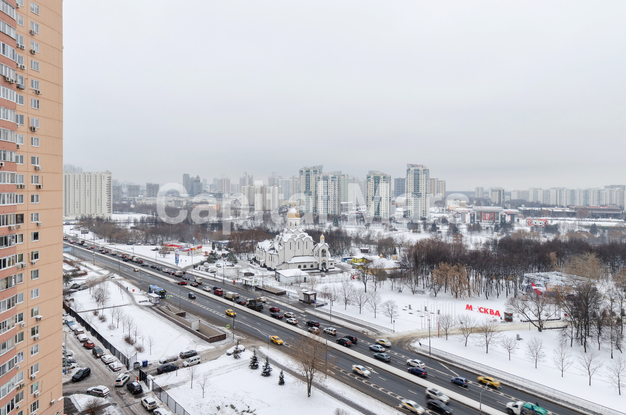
(293, 248)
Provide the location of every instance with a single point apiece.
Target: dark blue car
(418, 372)
(460, 381)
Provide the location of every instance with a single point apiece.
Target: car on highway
(276, 340)
(241, 302)
(438, 406)
(218, 291)
(191, 295)
(292, 321)
(149, 403)
(415, 363)
(89, 344)
(81, 374)
(459, 381)
(418, 371)
(145, 264)
(134, 388)
(194, 284)
(412, 407)
(361, 370)
(353, 339)
(187, 354)
(99, 390)
(330, 330)
(377, 348)
(436, 394)
(274, 309)
(383, 342)
(289, 314)
(312, 323)
(136, 269)
(182, 283)
(262, 299)
(344, 342)
(383, 357)
(489, 381)
(116, 366)
(314, 330)
(168, 367)
(277, 316)
(122, 379)
(231, 313)
(108, 359)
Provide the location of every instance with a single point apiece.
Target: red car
(89, 344)
(274, 309)
(182, 283)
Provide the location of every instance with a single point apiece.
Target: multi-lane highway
(385, 386)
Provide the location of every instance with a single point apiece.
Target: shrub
(129, 339)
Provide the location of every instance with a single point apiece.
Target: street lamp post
(233, 326)
(428, 316)
(326, 360)
(480, 404)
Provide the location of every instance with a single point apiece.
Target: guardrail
(354, 319)
(526, 385)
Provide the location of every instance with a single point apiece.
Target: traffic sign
(228, 326)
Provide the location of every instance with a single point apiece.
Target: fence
(107, 345)
(160, 393)
(528, 385)
(353, 319)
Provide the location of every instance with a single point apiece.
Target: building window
(34, 122)
(34, 103)
(19, 278)
(19, 337)
(34, 179)
(19, 119)
(19, 100)
(19, 238)
(34, 237)
(19, 358)
(34, 160)
(34, 387)
(34, 256)
(19, 158)
(34, 84)
(34, 47)
(34, 369)
(34, 199)
(34, 65)
(34, 275)
(20, 80)
(7, 114)
(34, 217)
(19, 299)
(34, 312)
(34, 331)
(34, 28)
(34, 141)
(19, 199)
(19, 39)
(19, 59)
(20, 3)
(34, 293)
(34, 350)
(20, 21)
(34, 7)
(19, 139)
(34, 406)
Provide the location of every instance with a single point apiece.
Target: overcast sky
(515, 94)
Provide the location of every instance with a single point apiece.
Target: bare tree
(536, 308)
(340, 411)
(129, 323)
(310, 359)
(590, 363)
(94, 407)
(365, 274)
(359, 298)
(562, 358)
(374, 300)
(534, 350)
(191, 374)
(390, 309)
(488, 330)
(467, 326)
(329, 294)
(509, 343)
(345, 293)
(204, 382)
(446, 323)
(117, 314)
(616, 372)
(151, 342)
(136, 332)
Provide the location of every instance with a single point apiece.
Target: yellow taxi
(489, 381)
(276, 340)
(230, 313)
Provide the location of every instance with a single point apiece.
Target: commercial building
(417, 181)
(378, 195)
(87, 194)
(31, 212)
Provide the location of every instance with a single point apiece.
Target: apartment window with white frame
(34, 236)
(19, 178)
(19, 139)
(34, 65)
(34, 122)
(34, 141)
(34, 331)
(34, 369)
(19, 100)
(34, 160)
(34, 179)
(34, 256)
(34, 199)
(34, 7)
(34, 84)
(19, 119)
(34, 46)
(34, 28)
(34, 293)
(19, 337)
(19, 59)
(34, 217)
(34, 406)
(19, 358)
(19, 39)
(34, 103)
(19, 199)
(19, 278)
(34, 275)
(19, 239)
(19, 298)
(34, 350)
(20, 3)
(20, 80)
(34, 387)
(20, 21)
(19, 158)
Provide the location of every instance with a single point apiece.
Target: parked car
(383, 342)
(108, 359)
(382, 356)
(116, 366)
(415, 363)
(122, 379)
(81, 374)
(277, 316)
(418, 371)
(331, 330)
(161, 411)
(312, 323)
(413, 407)
(361, 370)
(191, 295)
(377, 348)
(191, 361)
(274, 309)
(289, 314)
(438, 406)
(459, 381)
(353, 339)
(187, 353)
(82, 338)
(99, 390)
(292, 321)
(97, 352)
(89, 344)
(344, 342)
(149, 403)
(168, 367)
(314, 330)
(134, 388)
(436, 394)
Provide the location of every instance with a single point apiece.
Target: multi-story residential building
(329, 194)
(152, 190)
(88, 194)
(223, 185)
(399, 186)
(187, 182)
(378, 194)
(479, 193)
(497, 196)
(133, 190)
(31, 208)
(417, 181)
(308, 187)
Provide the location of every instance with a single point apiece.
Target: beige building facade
(31, 206)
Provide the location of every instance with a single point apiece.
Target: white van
(191, 361)
(168, 359)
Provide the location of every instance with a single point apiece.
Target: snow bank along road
(388, 383)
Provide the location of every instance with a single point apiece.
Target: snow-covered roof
(300, 259)
(291, 272)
